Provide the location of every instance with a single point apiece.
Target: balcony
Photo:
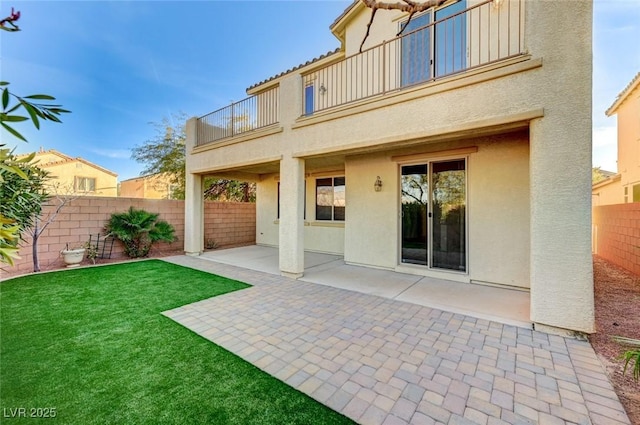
(247, 115)
(437, 44)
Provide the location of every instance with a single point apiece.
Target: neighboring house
(459, 151)
(77, 175)
(624, 187)
(152, 186)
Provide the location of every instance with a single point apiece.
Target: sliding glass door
(414, 206)
(433, 214)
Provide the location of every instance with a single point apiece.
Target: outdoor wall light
(322, 89)
(497, 3)
(378, 184)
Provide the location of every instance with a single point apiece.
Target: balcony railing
(240, 117)
(448, 41)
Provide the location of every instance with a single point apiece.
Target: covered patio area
(485, 302)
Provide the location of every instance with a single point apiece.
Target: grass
(91, 343)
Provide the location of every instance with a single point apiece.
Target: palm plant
(138, 230)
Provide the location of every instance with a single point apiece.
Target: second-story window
(308, 99)
(85, 184)
(431, 51)
(330, 199)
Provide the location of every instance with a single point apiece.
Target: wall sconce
(377, 186)
(497, 3)
(322, 89)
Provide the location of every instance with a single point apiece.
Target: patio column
(291, 237)
(193, 200)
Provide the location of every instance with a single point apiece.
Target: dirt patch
(617, 302)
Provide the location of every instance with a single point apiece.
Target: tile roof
(309, 62)
(635, 82)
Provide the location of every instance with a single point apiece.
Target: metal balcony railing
(447, 41)
(240, 117)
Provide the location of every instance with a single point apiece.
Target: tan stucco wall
(560, 166)
(498, 210)
(629, 141)
(149, 187)
(319, 236)
(545, 245)
(65, 173)
(608, 194)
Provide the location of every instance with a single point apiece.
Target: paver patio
(382, 361)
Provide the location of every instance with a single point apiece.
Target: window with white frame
(85, 184)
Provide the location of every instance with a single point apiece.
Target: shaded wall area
(226, 224)
(616, 234)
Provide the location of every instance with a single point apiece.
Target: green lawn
(91, 344)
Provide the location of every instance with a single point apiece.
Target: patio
(380, 360)
(508, 306)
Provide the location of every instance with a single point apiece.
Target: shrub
(138, 230)
(631, 356)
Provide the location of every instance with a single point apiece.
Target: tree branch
(409, 6)
(373, 15)
(405, 24)
(8, 23)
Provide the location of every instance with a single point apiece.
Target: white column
(291, 236)
(193, 199)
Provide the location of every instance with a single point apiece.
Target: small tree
(57, 199)
(21, 184)
(138, 230)
(596, 175)
(22, 192)
(165, 154)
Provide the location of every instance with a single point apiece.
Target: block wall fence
(616, 234)
(226, 223)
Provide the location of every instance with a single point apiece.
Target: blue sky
(121, 65)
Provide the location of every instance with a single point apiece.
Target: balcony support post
(194, 200)
(291, 235)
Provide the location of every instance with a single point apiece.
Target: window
(429, 53)
(636, 193)
(85, 184)
(451, 39)
(416, 50)
(330, 199)
(308, 99)
(626, 194)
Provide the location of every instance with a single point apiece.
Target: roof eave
(606, 181)
(338, 26)
(635, 82)
(328, 57)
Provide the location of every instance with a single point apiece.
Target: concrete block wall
(228, 223)
(616, 234)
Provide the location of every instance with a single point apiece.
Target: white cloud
(112, 153)
(605, 147)
(605, 136)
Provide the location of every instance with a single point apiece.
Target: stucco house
(624, 187)
(152, 186)
(76, 175)
(460, 150)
